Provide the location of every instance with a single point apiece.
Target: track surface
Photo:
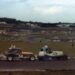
(37, 65)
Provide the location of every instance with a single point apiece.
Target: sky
(39, 10)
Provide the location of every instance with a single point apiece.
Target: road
(37, 65)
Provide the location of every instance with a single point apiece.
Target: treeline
(19, 22)
(11, 20)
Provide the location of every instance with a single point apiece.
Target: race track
(37, 65)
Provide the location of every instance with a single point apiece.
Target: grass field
(35, 46)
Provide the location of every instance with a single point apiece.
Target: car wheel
(32, 58)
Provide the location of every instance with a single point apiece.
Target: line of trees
(19, 22)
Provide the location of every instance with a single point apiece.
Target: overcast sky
(39, 10)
